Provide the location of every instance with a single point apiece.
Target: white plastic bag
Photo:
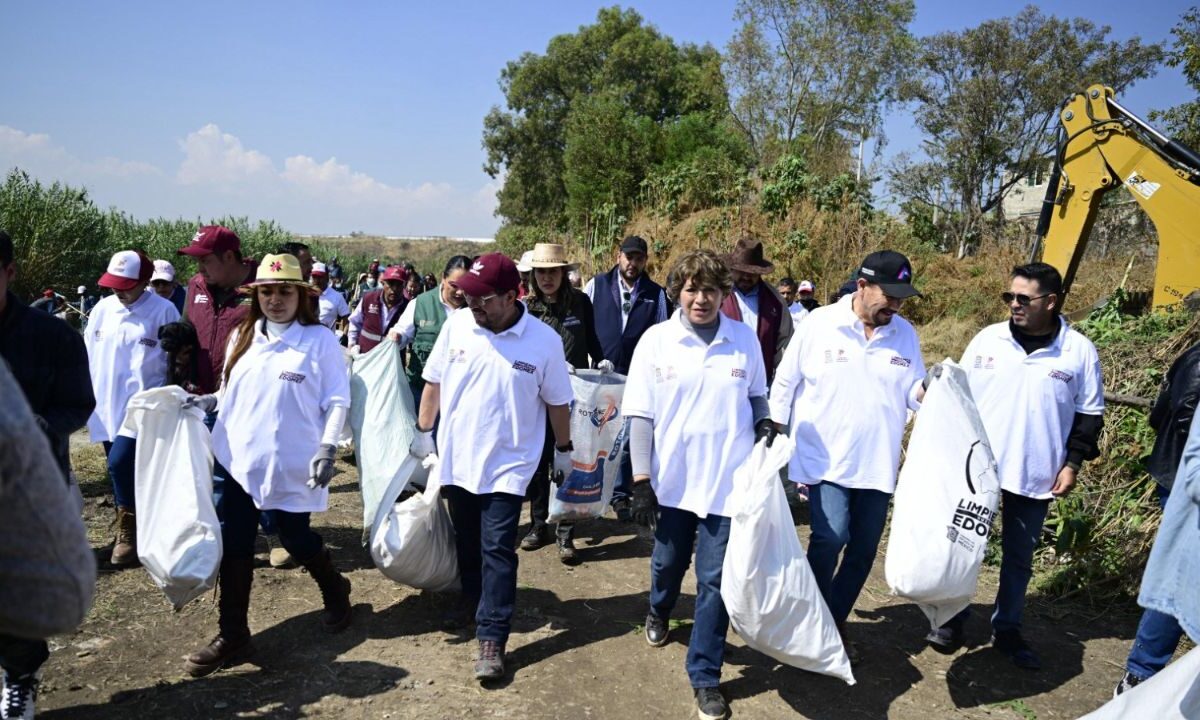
(598, 432)
(179, 536)
(945, 502)
(1173, 694)
(767, 586)
(383, 420)
(412, 542)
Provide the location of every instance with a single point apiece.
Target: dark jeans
(847, 519)
(674, 538)
(120, 453)
(1158, 633)
(485, 536)
(20, 656)
(221, 477)
(624, 485)
(239, 526)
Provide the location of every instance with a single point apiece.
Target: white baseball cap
(163, 270)
(126, 269)
(525, 264)
(805, 286)
(319, 269)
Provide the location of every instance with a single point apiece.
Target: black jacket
(1171, 415)
(50, 363)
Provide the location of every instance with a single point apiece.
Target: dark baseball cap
(490, 274)
(633, 243)
(212, 239)
(891, 271)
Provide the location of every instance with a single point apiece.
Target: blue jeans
(1158, 633)
(485, 537)
(674, 538)
(844, 519)
(120, 453)
(239, 526)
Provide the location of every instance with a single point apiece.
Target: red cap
(212, 239)
(490, 274)
(394, 272)
(48, 292)
(126, 269)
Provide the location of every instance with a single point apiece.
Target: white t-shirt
(332, 306)
(124, 356)
(273, 412)
(1028, 402)
(495, 388)
(698, 398)
(847, 398)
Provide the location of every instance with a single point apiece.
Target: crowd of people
(715, 362)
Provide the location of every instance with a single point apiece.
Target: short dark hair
(6, 249)
(1044, 274)
(788, 282)
(702, 266)
(292, 247)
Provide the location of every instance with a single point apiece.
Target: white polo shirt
(698, 398)
(272, 414)
(1028, 402)
(331, 306)
(798, 313)
(124, 356)
(494, 391)
(847, 398)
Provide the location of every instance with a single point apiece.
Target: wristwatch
(569, 447)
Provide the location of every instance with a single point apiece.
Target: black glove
(934, 372)
(645, 505)
(765, 429)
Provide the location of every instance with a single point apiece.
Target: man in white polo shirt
(495, 374)
(331, 306)
(846, 385)
(1039, 391)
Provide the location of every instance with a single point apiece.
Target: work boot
(124, 550)
(20, 693)
(490, 665)
(280, 558)
(565, 539)
(335, 591)
(232, 642)
(538, 536)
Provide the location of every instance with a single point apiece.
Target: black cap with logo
(891, 271)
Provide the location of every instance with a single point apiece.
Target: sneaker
(946, 639)
(623, 507)
(19, 696)
(710, 704)
(539, 536)
(567, 554)
(1129, 682)
(1013, 645)
(490, 665)
(656, 630)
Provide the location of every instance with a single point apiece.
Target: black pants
(20, 656)
(540, 487)
(239, 526)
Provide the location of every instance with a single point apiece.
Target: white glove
(207, 403)
(422, 444)
(605, 366)
(562, 464)
(355, 351)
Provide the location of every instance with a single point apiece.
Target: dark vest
(428, 317)
(618, 346)
(569, 321)
(770, 319)
(374, 328)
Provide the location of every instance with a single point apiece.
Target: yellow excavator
(1100, 147)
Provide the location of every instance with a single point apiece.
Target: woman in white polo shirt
(696, 396)
(283, 400)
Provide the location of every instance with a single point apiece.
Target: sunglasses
(625, 306)
(1022, 300)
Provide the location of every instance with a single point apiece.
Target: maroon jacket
(374, 325)
(214, 324)
(770, 322)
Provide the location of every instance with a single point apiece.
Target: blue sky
(334, 117)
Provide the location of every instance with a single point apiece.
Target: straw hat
(549, 255)
(278, 270)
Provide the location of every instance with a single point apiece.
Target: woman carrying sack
(284, 397)
(569, 312)
(697, 399)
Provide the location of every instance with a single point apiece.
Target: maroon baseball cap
(394, 272)
(490, 274)
(212, 239)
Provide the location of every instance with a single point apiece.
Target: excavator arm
(1102, 146)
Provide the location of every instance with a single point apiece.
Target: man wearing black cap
(845, 385)
(756, 303)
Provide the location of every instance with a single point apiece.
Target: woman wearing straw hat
(283, 400)
(569, 312)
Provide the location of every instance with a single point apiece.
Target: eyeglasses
(1022, 300)
(625, 306)
(477, 301)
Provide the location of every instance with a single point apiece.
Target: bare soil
(576, 652)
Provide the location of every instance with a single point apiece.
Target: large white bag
(383, 420)
(412, 542)
(945, 502)
(1173, 694)
(767, 586)
(598, 432)
(179, 536)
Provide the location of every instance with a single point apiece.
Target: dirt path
(576, 652)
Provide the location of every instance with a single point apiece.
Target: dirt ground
(576, 652)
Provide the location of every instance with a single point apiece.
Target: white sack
(383, 420)
(179, 536)
(412, 542)
(766, 583)
(945, 502)
(1173, 694)
(598, 432)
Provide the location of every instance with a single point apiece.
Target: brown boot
(335, 591)
(124, 550)
(232, 642)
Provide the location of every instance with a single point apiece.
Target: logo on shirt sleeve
(524, 367)
(292, 377)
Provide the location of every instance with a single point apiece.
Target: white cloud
(217, 158)
(38, 155)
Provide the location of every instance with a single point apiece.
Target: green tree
(1183, 120)
(985, 98)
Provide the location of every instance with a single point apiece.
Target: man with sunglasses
(1038, 387)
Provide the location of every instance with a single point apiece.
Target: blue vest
(617, 345)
